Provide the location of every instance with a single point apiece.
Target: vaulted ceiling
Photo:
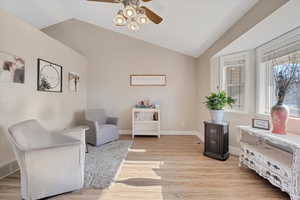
(189, 26)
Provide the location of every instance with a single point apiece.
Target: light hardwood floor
(170, 168)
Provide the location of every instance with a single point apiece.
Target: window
(235, 79)
(235, 84)
(280, 50)
(292, 99)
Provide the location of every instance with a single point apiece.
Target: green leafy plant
(218, 101)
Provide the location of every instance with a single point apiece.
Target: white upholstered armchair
(50, 164)
(102, 129)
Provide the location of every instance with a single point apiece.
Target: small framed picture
(261, 124)
(49, 76)
(74, 79)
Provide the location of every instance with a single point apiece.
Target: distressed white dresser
(274, 157)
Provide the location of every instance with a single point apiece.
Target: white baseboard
(234, 150)
(200, 136)
(8, 168)
(174, 132)
(164, 132)
(125, 132)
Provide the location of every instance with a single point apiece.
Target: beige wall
(22, 101)
(260, 11)
(113, 57)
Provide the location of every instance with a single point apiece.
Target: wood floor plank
(170, 168)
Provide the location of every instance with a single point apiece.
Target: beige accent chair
(50, 163)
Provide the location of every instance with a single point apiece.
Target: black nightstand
(216, 140)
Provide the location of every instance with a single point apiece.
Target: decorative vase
(279, 114)
(217, 116)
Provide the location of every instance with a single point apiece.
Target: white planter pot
(217, 116)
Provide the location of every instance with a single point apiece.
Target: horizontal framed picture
(261, 124)
(148, 80)
(49, 76)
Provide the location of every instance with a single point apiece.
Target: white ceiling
(189, 26)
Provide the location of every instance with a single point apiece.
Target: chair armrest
(55, 141)
(93, 126)
(72, 130)
(112, 120)
(76, 132)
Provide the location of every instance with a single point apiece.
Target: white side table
(145, 121)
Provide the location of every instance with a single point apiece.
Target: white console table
(274, 157)
(145, 121)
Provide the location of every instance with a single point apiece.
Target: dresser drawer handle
(277, 179)
(276, 167)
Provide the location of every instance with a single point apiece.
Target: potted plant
(216, 103)
(286, 77)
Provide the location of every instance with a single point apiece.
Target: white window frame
(286, 41)
(266, 91)
(249, 99)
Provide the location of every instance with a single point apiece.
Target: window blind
(286, 44)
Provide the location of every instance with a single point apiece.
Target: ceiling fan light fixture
(133, 14)
(129, 12)
(133, 26)
(119, 20)
(142, 19)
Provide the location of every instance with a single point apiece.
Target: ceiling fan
(133, 14)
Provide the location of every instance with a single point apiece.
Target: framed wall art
(12, 68)
(49, 76)
(148, 80)
(73, 79)
(261, 124)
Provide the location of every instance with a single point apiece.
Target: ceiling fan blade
(152, 16)
(146, 0)
(107, 1)
(120, 24)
